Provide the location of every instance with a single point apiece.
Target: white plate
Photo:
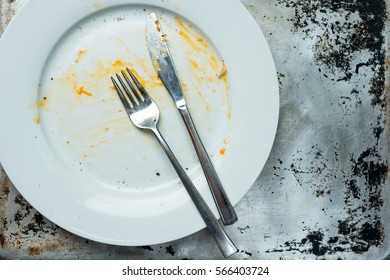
(69, 147)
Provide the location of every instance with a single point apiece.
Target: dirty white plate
(71, 150)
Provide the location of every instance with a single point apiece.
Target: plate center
(84, 122)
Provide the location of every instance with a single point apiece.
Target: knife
(163, 64)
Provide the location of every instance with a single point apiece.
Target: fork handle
(225, 208)
(223, 241)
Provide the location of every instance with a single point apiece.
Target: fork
(144, 114)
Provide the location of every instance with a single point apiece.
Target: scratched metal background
(324, 193)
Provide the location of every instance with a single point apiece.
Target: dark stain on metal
(316, 238)
(349, 27)
(34, 251)
(2, 240)
(281, 78)
(243, 229)
(24, 209)
(249, 254)
(30, 222)
(147, 248)
(335, 49)
(35, 225)
(313, 170)
(5, 187)
(359, 238)
(170, 250)
(311, 244)
(370, 166)
(350, 238)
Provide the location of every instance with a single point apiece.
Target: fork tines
(131, 91)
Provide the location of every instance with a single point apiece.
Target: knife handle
(225, 208)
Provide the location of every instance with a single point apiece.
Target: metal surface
(164, 66)
(324, 193)
(144, 114)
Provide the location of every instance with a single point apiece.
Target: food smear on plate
(43, 101)
(192, 37)
(85, 82)
(157, 26)
(205, 66)
(81, 90)
(83, 119)
(222, 151)
(118, 63)
(97, 5)
(223, 71)
(88, 81)
(79, 55)
(41, 105)
(37, 119)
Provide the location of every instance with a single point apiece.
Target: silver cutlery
(164, 66)
(144, 114)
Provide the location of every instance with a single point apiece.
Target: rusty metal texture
(324, 192)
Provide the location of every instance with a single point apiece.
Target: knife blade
(164, 66)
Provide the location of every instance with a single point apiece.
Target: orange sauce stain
(43, 101)
(150, 82)
(37, 119)
(206, 105)
(202, 42)
(137, 75)
(214, 63)
(184, 86)
(229, 108)
(211, 69)
(39, 104)
(80, 54)
(157, 26)
(194, 64)
(34, 104)
(149, 78)
(81, 90)
(97, 5)
(222, 151)
(155, 64)
(189, 40)
(197, 43)
(117, 63)
(223, 71)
